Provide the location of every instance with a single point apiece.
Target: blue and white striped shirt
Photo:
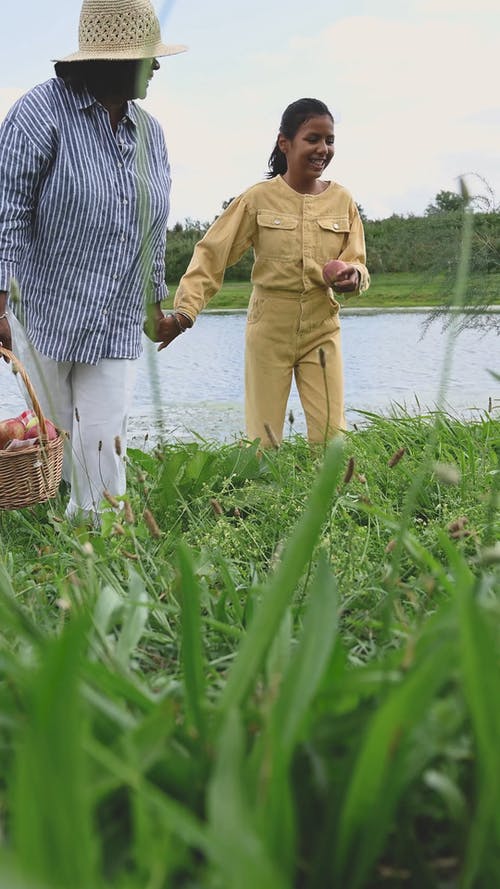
(83, 221)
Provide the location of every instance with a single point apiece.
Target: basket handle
(17, 367)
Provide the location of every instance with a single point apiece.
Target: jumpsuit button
(277, 221)
(335, 225)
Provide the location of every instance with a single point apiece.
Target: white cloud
(415, 100)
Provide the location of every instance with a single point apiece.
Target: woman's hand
(5, 335)
(164, 328)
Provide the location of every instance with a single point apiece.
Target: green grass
(273, 669)
(399, 289)
(263, 689)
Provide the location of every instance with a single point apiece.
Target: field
(398, 289)
(268, 669)
(273, 669)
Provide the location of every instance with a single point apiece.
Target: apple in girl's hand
(332, 270)
(10, 429)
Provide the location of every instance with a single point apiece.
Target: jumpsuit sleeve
(355, 250)
(22, 168)
(222, 245)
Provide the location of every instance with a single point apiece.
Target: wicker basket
(31, 475)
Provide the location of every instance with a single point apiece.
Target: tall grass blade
(193, 660)
(237, 853)
(136, 614)
(51, 810)
(279, 591)
(382, 771)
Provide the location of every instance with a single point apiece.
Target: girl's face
(311, 149)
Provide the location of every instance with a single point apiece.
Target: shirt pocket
(333, 234)
(277, 235)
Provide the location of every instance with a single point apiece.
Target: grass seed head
(349, 471)
(396, 457)
(151, 523)
(271, 436)
(447, 473)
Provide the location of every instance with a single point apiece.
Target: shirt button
(120, 164)
(122, 238)
(335, 225)
(125, 201)
(277, 221)
(115, 277)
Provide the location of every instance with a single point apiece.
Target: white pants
(91, 403)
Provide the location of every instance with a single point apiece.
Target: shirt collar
(84, 100)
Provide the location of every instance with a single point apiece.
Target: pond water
(392, 362)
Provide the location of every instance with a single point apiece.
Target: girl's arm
(223, 244)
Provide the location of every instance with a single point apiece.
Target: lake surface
(392, 362)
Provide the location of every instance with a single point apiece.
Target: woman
(296, 222)
(84, 201)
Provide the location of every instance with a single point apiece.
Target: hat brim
(158, 50)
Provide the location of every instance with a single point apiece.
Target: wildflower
(361, 478)
(87, 548)
(390, 546)
(396, 457)
(118, 529)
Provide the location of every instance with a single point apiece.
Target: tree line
(428, 244)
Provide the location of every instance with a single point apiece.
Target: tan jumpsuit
(293, 318)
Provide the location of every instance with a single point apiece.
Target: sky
(413, 87)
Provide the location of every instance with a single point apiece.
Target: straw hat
(119, 29)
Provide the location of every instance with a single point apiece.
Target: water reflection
(195, 387)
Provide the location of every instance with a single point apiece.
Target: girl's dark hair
(101, 77)
(293, 117)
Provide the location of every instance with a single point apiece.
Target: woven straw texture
(33, 475)
(119, 29)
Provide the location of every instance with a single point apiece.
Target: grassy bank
(399, 289)
(271, 670)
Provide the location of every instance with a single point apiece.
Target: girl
(296, 221)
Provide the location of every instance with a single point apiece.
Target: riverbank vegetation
(275, 669)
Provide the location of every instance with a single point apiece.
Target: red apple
(32, 426)
(332, 270)
(10, 429)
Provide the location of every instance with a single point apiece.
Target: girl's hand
(168, 328)
(162, 328)
(347, 280)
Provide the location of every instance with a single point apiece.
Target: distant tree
(364, 217)
(225, 204)
(446, 202)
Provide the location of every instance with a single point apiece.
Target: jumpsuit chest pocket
(333, 232)
(277, 234)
